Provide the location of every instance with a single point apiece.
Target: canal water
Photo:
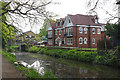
(63, 68)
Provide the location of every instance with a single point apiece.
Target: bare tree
(95, 5)
(25, 11)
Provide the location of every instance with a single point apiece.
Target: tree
(7, 32)
(20, 11)
(43, 30)
(102, 5)
(113, 30)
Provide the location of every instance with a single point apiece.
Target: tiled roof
(83, 19)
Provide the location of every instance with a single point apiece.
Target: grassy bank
(30, 73)
(99, 57)
(67, 54)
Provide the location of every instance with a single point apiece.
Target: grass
(64, 53)
(87, 48)
(30, 73)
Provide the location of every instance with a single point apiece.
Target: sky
(75, 7)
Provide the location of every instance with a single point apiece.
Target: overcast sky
(76, 7)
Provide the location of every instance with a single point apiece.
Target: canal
(63, 68)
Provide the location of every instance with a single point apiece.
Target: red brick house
(75, 31)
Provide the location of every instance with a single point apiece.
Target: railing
(49, 37)
(68, 35)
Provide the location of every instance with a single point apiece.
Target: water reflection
(37, 65)
(67, 68)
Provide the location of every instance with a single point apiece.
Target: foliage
(107, 58)
(33, 49)
(12, 48)
(11, 58)
(67, 54)
(7, 32)
(30, 73)
(113, 30)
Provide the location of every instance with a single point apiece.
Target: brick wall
(76, 36)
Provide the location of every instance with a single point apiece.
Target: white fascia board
(87, 26)
(66, 20)
(59, 28)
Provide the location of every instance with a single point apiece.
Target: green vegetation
(67, 54)
(30, 73)
(88, 48)
(8, 31)
(12, 48)
(100, 57)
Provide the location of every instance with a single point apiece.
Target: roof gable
(68, 22)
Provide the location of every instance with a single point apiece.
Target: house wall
(76, 36)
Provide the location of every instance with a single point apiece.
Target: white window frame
(96, 21)
(81, 41)
(60, 32)
(49, 33)
(98, 31)
(50, 42)
(69, 41)
(64, 40)
(85, 30)
(93, 29)
(69, 31)
(93, 40)
(81, 31)
(56, 41)
(85, 40)
(55, 32)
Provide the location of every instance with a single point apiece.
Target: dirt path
(9, 70)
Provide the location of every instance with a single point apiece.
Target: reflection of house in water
(36, 65)
(66, 71)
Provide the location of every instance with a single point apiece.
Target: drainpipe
(76, 36)
(89, 39)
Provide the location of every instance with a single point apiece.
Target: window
(64, 40)
(49, 34)
(96, 21)
(50, 42)
(85, 40)
(60, 23)
(69, 41)
(93, 40)
(55, 41)
(98, 31)
(59, 32)
(55, 32)
(56, 24)
(30, 36)
(85, 30)
(81, 29)
(93, 30)
(80, 40)
(69, 31)
(69, 21)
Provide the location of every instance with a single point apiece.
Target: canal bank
(69, 69)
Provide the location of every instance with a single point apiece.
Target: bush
(107, 58)
(33, 49)
(12, 48)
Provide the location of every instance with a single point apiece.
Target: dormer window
(60, 23)
(96, 21)
(69, 21)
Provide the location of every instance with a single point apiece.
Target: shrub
(12, 48)
(34, 49)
